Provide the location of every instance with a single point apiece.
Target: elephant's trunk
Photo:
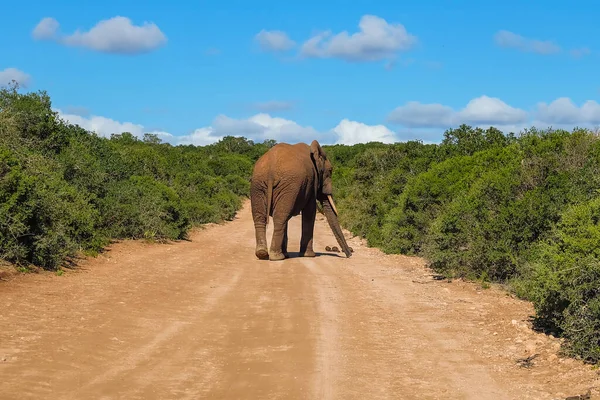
(328, 210)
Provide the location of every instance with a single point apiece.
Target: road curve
(204, 319)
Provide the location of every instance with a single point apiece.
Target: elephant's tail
(269, 198)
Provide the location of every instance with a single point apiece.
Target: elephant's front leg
(308, 226)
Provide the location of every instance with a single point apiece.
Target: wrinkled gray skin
(291, 179)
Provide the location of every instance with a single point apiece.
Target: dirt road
(204, 319)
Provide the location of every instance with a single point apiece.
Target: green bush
(141, 207)
(478, 233)
(368, 179)
(562, 279)
(64, 190)
(428, 195)
(518, 209)
(47, 219)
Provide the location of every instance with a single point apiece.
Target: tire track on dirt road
(205, 319)
(117, 318)
(388, 349)
(328, 358)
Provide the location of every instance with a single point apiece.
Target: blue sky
(337, 71)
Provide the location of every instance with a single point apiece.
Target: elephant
(288, 180)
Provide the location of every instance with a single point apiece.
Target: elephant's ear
(317, 155)
(316, 151)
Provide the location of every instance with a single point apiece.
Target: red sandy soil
(205, 319)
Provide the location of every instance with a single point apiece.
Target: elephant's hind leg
(278, 252)
(284, 244)
(261, 252)
(259, 206)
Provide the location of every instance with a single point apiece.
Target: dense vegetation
(64, 190)
(523, 210)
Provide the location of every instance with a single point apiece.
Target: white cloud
(483, 110)
(415, 114)
(376, 40)
(491, 110)
(352, 132)
(235, 127)
(9, 74)
(105, 127)
(563, 111)
(165, 136)
(258, 127)
(200, 137)
(46, 29)
(116, 35)
(274, 41)
(263, 126)
(508, 39)
(102, 126)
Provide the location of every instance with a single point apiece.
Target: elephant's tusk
(332, 204)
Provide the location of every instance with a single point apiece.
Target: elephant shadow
(296, 254)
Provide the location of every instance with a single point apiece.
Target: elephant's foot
(308, 253)
(262, 253)
(277, 256)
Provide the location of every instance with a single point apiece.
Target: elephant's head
(324, 193)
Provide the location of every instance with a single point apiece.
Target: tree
(152, 138)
